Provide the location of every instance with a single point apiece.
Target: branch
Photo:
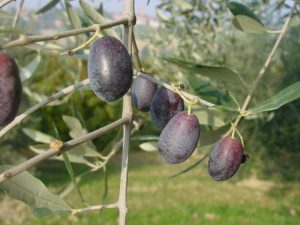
(5, 2)
(53, 97)
(26, 40)
(262, 71)
(127, 112)
(60, 149)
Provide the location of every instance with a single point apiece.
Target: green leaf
(245, 20)
(285, 96)
(48, 6)
(74, 18)
(241, 9)
(150, 146)
(190, 167)
(248, 25)
(223, 74)
(76, 130)
(207, 91)
(26, 72)
(38, 136)
(96, 17)
(144, 138)
(184, 6)
(209, 117)
(72, 175)
(32, 191)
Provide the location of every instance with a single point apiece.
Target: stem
(5, 2)
(56, 151)
(53, 97)
(264, 67)
(191, 97)
(26, 40)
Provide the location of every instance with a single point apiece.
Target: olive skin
(226, 158)
(179, 138)
(143, 91)
(10, 89)
(165, 105)
(109, 69)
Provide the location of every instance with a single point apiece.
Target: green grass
(192, 198)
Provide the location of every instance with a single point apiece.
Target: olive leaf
(48, 6)
(219, 73)
(33, 192)
(285, 96)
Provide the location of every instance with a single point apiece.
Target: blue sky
(109, 5)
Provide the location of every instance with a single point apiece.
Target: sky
(109, 5)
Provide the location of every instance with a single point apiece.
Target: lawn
(192, 198)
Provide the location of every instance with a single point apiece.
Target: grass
(189, 199)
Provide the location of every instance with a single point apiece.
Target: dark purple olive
(165, 105)
(10, 89)
(109, 69)
(226, 159)
(179, 138)
(143, 91)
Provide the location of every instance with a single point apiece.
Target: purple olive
(143, 91)
(165, 105)
(226, 159)
(109, 69)
(179, 138)
(10, 89)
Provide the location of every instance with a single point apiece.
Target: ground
(192, 198)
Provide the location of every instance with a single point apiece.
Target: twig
(5, 2)
(264, 67)
(26, 40)
(188, 95)
(53, 97)
(94, 207)
(60, 149)
(18, 13)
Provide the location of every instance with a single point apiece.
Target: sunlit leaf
(248, 25)
(150, 146)
(223, 74)
(285, 96)
(237, 9)
(38, 136)
(184, 5)
(76, 130)
(32, 191)
(96, 17)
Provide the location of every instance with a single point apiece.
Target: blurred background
(264, 191)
